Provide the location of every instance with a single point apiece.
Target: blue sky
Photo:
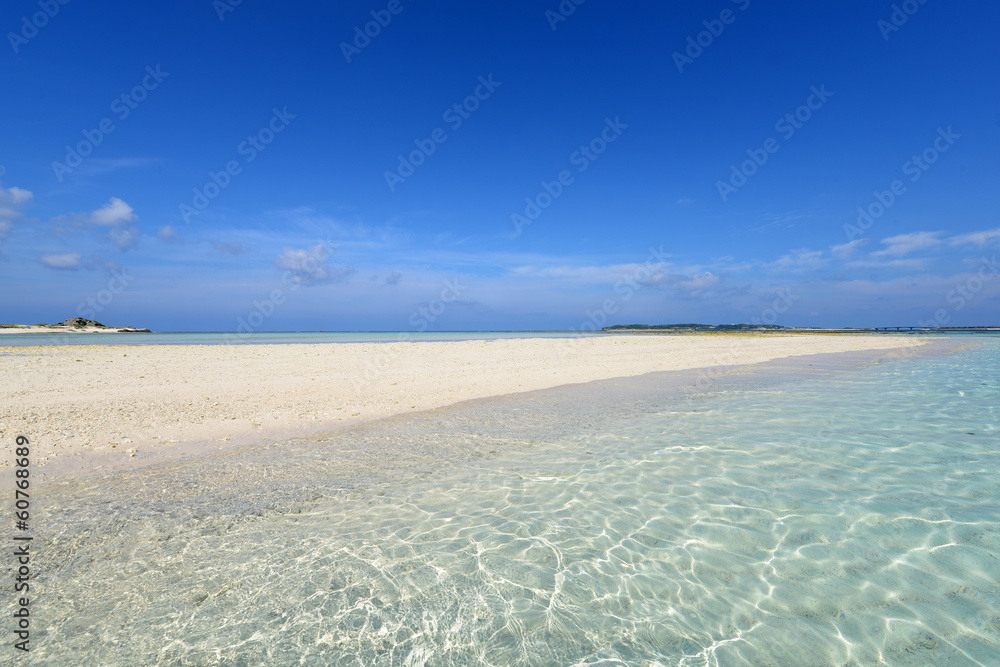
(494, 165)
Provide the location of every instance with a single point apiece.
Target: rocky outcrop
(80, 322)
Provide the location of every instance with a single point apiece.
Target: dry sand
(110, 406)
(69, 331)
(41, 329)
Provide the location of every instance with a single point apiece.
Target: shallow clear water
(832, 517)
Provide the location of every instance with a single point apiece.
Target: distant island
(694, 327)
(708, 328)
(72, 325)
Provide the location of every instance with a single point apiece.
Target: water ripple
(848, 520)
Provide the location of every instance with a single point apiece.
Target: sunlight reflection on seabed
(628, 522)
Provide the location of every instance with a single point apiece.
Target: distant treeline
(694, 327)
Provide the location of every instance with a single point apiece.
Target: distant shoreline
(707, 331)
(45, 328)
(774, 328)
(801, 332)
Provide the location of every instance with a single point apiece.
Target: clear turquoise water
(819, 516)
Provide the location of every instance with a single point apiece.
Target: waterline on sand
(815, 515)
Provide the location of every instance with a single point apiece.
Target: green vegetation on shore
(694, 327)
(760, 328)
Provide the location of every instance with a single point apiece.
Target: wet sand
(105, 406)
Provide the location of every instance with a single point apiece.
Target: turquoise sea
(825, 510)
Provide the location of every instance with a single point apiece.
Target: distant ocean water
(286, 337)
(818, 511)
(264, 337)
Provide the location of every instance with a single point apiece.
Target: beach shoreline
(99, 408)
(42, 329)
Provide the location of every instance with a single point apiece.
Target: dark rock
(81, 322)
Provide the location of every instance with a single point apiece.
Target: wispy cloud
(125, 237)
(845, 250)
(67, 261)
(98, 166)
(588, 275)
(904, 244)
(775, 221)
(700, 283)
(912, 263)
(310, 265)
(801, 259)
(111, 222)
(167, 234)
(14, 196)
(977, 238)
(11, 201)
(234, 248)
(685, 285)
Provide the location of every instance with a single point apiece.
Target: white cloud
(70, 260)
(916, 263)
(682, 284)
(701, 282)
(575, 274)
(168, 234)
(11, 200)
(661, 280)
(845, 250)
(125, 237)
(800, 260)
(926, 290)
(115, 212)
(976, 238)
(310, 265)
(114, 217)
(590, 274)
(904, 244)
(18, 195)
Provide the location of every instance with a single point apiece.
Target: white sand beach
(68, 330)
(18, 329)
(122, 405)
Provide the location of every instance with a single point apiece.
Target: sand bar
(53, 330)
(69, 331)
(105, 405)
